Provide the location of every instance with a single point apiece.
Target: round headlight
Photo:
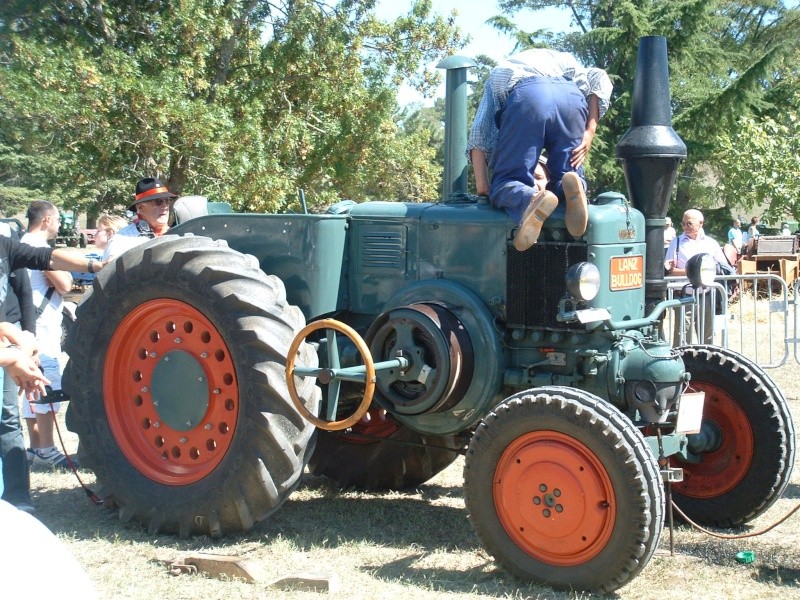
(701, 270)
(583, 280)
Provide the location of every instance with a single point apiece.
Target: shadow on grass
(325, 517)
(485, 580)
(777, 575)
(331, 519)
(770, 560)
(792, 491)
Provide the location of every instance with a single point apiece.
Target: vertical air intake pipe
(455, 125)
(651, 152)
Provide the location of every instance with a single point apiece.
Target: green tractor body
(380, 256)
(429, 336)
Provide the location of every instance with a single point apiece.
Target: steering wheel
(332, 375)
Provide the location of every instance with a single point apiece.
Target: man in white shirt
(43, 222)
(693, 241)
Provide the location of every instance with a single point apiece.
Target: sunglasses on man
(159, 201)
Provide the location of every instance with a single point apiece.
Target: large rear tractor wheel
(378, 453)
(563, 490)
(747, 442)
(178, 391)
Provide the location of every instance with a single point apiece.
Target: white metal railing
(756, 321)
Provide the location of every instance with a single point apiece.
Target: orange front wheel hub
(554, 498)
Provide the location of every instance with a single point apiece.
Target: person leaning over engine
(537, 99)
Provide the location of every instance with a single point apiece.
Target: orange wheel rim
(724, 468)
(554, 498)
(170, 392)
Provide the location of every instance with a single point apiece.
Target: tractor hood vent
(384, 249)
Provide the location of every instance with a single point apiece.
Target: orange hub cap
(554, 498)
(724, 468)
(170, 392)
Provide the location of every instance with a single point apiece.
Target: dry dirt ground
(411, 545)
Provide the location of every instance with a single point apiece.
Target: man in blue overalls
(537, 100)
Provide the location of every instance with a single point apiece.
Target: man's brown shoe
(541, 206)
(577, 215)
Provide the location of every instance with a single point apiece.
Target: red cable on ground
(735, 537)
(96, 500)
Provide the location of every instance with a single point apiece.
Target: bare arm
(64, 260)
(580, 153)
(675, 271)
(481, 170)
(60, 280)
(14, 335)
(18, 355)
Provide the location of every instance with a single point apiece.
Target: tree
(723, 65)
(758, 165)
(240, 100)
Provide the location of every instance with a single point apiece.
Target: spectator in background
(669, 232)
(693, 241)
(107, 226)
(19, 310)
(752, 236)
(43, 222)
(735, 236)
(152, 204)
(785, 229)
(752, 231)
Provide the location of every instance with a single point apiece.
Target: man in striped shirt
(537, 100)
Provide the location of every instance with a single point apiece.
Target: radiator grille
(535, 282)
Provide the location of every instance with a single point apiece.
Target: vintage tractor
(200, 395)
(70, 233)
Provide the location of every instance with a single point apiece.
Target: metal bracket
(672, 475)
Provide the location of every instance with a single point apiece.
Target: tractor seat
(191, 207)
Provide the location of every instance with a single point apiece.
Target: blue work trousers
(541, 113)
(16, 475)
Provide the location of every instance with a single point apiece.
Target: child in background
(107, 226)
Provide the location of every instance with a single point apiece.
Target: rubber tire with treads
(568, 452)
(403, 460)
(267, 444)
(751, 469)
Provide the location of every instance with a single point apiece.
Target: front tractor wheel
(178, 396)
(748, 440)
(563, 490)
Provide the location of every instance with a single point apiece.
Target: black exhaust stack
(651, 152)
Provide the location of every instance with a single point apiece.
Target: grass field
(409, 545)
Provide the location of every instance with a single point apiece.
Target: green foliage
(758, 164)
(244, 101)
